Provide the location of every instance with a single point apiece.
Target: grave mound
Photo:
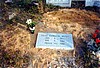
(69, 21)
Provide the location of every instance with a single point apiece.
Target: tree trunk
(41, 6)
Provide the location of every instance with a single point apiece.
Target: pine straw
(78, 22)
(14, 43)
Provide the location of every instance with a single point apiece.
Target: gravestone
(62, 3)
(89, 2)
(55, 41)
(92, 3)
(8, 1)
(97, 3)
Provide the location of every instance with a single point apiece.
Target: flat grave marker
(55, 41)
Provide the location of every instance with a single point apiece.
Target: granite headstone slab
(89, 2)
(55, 41)
(62, 3)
